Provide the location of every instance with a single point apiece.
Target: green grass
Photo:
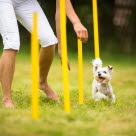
(92, 118)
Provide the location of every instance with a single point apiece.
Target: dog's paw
(113, 101)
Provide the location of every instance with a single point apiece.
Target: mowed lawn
(91, 119)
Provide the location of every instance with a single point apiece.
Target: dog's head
(103, 75)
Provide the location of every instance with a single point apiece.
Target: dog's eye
(104, 72)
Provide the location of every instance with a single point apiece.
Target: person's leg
(46, 37)
(46, 58)
(10, 35)
(7, 66)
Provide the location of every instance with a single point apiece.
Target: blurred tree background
(117, 20)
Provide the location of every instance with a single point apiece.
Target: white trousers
(13, 10)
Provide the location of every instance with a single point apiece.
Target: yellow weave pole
(64, 55)
(35, 68)
(95, 23)
(80, 72)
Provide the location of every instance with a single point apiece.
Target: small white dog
(101, 86)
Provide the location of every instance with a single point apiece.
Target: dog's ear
(96, 67)
(110, 68)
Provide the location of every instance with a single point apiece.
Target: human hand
(60, 56)
(81, 32)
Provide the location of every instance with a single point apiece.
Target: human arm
(80, 30)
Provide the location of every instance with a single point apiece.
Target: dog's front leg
(94, 89)
(99, 96)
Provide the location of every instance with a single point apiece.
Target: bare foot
(49, 92)
(7, 102)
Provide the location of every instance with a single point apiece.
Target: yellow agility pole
(80, 72)
(35, 68)
(64, 55)
(95, 24)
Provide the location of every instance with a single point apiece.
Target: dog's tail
(96, 63)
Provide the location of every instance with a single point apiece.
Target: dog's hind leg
(111, 95)
(112, 98)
